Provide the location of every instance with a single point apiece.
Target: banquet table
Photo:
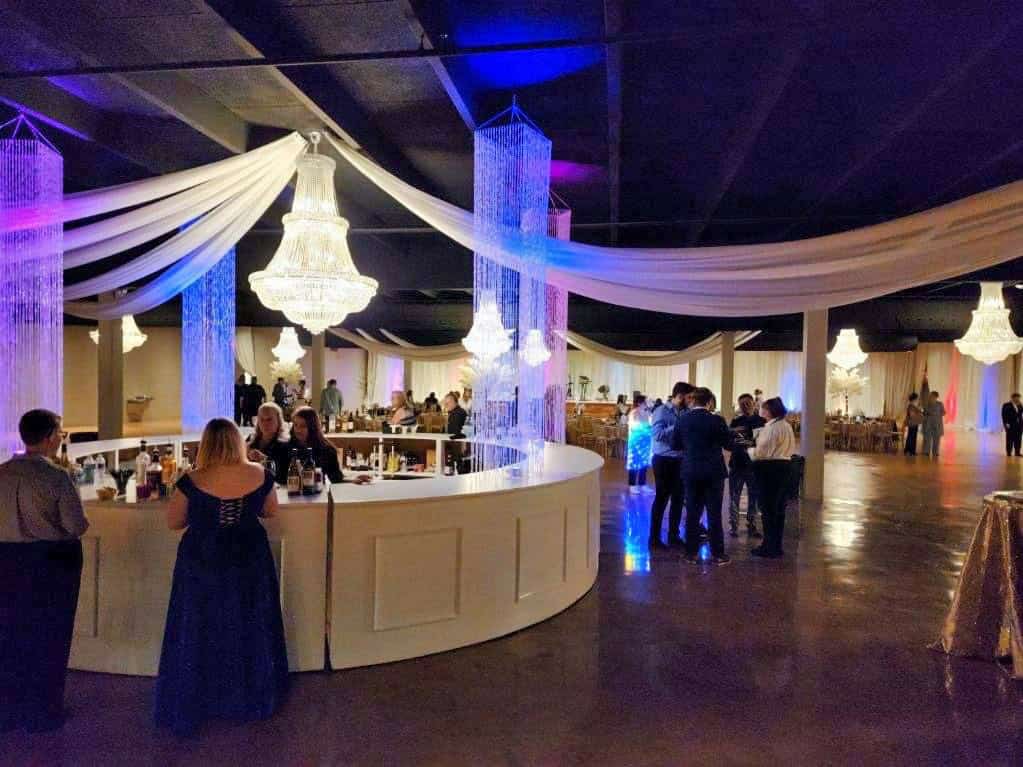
(984, 619)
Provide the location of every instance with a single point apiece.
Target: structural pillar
(815, 382)
(110, 377)
(319, 367)
(726, 401)
(692, 373)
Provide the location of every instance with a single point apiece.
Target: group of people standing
(928, 417)
(688, 442)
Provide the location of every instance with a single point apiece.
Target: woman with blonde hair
(223, 650)
(269, 441)
(402, 413)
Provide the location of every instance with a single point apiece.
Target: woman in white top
(772, 468)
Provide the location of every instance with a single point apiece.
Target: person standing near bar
(667, 463)
(740, 467)
(331, 403)
(1012, 420)
(934, 425)
(704, 435)
(41, 522)
(772, 468)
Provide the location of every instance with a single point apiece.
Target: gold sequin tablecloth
(984, 620)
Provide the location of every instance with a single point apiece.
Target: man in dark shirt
(254, 396)
(1012, 420)
(704, 436)
(280, 393)
(41, 521)
(456, 416)
(740, 468)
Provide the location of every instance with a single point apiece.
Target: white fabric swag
(743, 280)
(705, 348)
(425, 353)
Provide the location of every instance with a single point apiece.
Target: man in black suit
(1012, 420)
(704, 436)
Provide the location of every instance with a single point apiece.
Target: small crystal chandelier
(131, 336)
(288, 349)
(488, 339)
(311, 277)
(847, 353)
(990, 338)
(534, 351)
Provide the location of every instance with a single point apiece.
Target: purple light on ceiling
(568, 173)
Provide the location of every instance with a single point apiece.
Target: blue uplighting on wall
(989, 405)
(207, 346)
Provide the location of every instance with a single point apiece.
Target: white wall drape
(775, 278)
(437, 377)
(623, 378)
(245, 350)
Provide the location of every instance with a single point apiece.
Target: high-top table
(984, 620)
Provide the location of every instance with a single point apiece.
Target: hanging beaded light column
(31, 282)
(311, 277)
(559, 225)
(512, 182)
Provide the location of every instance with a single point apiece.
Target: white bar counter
(385, 571)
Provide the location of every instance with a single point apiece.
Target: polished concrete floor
(819, 658)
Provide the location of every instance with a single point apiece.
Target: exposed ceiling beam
(613, 62)
(956, 77)
(751, 126)
(437, 64)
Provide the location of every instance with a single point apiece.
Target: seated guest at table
(253, 396)
(772, 471)
(704, 436)
(758, 399)
(402, 413)
(1012, 420)
(306, 432)
(431, 403)
(269, 440)
(934, 425)
(914, 417)
(740, 468)
(41, 521)
(223, 650)
(667, 463)
(456, 415)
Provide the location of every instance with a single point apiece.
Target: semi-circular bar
(386, 571)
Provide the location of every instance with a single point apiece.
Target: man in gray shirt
(330, 405)
(41, 521)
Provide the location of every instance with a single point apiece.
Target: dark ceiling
(700, 123)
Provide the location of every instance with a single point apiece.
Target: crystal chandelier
(131, 336)
(311, 277)
(534, 351)
(288, 349)
(488, 339)
(847, 353)
(990, 338)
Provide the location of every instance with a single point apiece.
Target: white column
(726, 397)
(110, 387)
(815, 381)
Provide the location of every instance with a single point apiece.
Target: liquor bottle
(350, 423)
(101, 468)
(154, 473)
(186, 463)
(168, 469)
(141, 463)
(294, 475)
(309, 474)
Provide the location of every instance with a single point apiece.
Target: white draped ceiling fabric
(224, 199)
(736, 281)
(701, 350)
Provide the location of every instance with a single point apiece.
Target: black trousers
(668, 481)
(704, 493)
(1013, 438)
(38, 598)
(910, 448)
(773, 479)
(637, 477)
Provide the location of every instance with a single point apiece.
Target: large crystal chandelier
(288, 349)
(488, 339)
(311, 277)
(131, 336)
(847, 353)
(990, 338)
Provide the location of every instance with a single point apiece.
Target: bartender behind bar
(41, 521)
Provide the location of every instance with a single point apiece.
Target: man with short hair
(704, 436)
(280, 393)
(41, 522)
(330, 404)
(667, 465)
(1012, 420)
(252, 400)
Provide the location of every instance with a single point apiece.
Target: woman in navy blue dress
(223, 648)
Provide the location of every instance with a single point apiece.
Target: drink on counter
(308, 474)
(294, 475)
(142, 461)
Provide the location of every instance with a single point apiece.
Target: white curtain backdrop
(437, 377)
(384, 374)
(776, 374)
(623, 378)
(245, 350)
(775, 278)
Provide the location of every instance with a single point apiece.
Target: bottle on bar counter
(154, 474)
(142, 461)
(294, 475)
(168, 470)
(319, 479)
(350, 423)
(308, 474)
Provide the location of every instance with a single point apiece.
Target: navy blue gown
(223, 650)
